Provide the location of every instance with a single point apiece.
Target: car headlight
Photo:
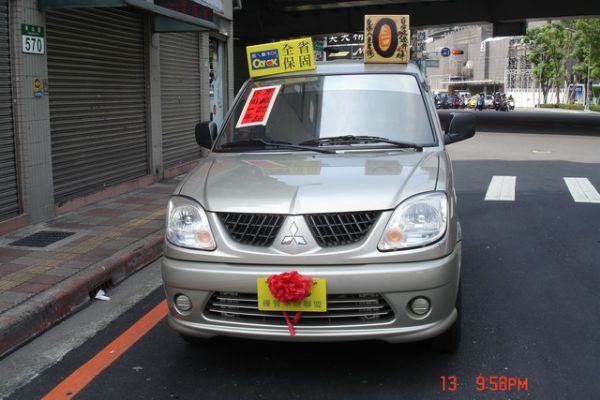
(418, 221)
(187, 225)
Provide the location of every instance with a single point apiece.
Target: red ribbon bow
(290, 287)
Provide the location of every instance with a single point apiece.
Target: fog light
(420, 305)
(183, 303)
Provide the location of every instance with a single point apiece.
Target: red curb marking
(79, 379)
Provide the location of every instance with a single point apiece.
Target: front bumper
(397, 283)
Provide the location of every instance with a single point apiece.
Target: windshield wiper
(350, 139)
(274, 144)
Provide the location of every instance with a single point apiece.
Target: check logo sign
(293, 237)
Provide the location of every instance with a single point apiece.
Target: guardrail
(549, 122)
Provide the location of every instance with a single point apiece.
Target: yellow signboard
(278, 57)
(316, 301)
(37, 86)
(387, 39)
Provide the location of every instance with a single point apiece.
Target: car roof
(348, 66)
(354, 67)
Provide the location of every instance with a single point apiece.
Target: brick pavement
(111, 239)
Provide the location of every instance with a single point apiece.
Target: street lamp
(586, 106)
(540, 80)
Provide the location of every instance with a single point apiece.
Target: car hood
(304, 183)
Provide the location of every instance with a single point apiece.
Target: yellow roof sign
(387, 39)
(277, 57)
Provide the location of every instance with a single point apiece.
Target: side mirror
(460, 127)
(206, 133)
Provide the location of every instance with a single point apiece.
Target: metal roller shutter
(96, 75)
(9, 200)
(180, 95)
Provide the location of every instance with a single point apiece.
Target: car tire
(449, 341)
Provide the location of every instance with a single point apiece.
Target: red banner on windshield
(258, 106)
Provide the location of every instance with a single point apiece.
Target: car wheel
(449, 341)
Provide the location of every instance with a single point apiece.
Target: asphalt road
(530, 291)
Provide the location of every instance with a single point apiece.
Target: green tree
(547, 45)
(568, 67)
(587, 49)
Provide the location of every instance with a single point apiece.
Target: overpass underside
(264, 20)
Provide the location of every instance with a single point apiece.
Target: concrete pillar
(230, 81)
(226, 28)
(32, 117)
(154, 101)
(204, 76)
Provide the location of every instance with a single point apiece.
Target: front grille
(252, 229)
(340, 229)
(348, 309)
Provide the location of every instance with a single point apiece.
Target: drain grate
(42, 238)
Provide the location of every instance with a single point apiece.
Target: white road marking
(582, 190)
(541, 152)
(501, 188)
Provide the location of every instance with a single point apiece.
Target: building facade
(476, 61)
(101, 97)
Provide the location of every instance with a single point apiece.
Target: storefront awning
(177, 19)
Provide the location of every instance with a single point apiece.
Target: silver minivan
(345, 179)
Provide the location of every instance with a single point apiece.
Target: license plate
(316, 302)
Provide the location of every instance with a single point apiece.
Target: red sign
(188, 7)
(258, 106)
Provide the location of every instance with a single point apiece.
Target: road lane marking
(81, 377)
(501, 188)
(582, 190)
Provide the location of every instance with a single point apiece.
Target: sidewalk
(98, 246)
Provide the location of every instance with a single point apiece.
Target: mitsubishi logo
(293, 237)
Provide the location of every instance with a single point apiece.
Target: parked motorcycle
(458, 102)
(500, 103)
(497, 102)
(511, 104)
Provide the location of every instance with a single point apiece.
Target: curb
(27, 320)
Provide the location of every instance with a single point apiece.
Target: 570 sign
(32, 44)
(33, 39)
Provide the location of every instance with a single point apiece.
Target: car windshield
(301, 110)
